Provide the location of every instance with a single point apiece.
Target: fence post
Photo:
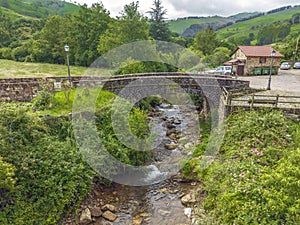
(252, 101)
(228, 100)
(276, 103)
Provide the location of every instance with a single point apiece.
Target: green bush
(255, 179)
(51, 177)
(7, 173)
(6, 53)
(44, 100)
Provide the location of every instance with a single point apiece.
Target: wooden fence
(288, 103)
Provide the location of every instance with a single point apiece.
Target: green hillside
(242, 29)
(36, 8)
(180, 25)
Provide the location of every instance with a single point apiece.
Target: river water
(161, 202)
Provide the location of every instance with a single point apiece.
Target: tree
(5, 24)
(89, 24)
(48, 47)
(130, 27)
(220, 56)
(272, 33)
(206, 41)
(134, 25)
(159, 29)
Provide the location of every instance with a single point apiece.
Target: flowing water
(158, 203)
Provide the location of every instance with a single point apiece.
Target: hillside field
(12, 69)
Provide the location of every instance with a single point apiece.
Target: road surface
(287, 81)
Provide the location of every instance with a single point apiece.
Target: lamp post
(67, 49)
(270, 75)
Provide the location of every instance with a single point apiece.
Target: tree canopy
(159, 29)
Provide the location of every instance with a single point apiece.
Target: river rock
(177, 122)
(102, 222)
(188, 145)
(85, 217)
(97, 193)
(109, 216)
(164, 212)
(137, 221)
(170, 126)
(188, 212)
(171, 146)
(173, 136)
(189, 198)
(109, 207)
(170, 132)
(145, 214)
(96, 212)
(164, 191)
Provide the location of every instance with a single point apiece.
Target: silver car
(222, 70)
(296, 65)
(285, 66)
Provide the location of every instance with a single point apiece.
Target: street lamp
(273, 53)
(67, 49)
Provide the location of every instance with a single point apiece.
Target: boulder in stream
(109, 207)
(188, 199)
(85, 217)
(171, 146)
(96, 212)
(109, 216)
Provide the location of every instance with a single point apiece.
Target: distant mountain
(243, 29)
(36, 8)
(189, 26)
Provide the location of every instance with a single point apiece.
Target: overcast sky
(183, 8)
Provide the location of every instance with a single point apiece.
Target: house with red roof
(255, 60)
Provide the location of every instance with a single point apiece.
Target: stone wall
(253, 62)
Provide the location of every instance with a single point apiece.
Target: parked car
(222, 70)
(285, 66)
(296, 65)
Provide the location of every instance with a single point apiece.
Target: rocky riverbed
(169, 202)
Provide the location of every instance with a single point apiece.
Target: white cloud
(181, 8)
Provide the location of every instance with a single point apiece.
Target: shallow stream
(159, 203)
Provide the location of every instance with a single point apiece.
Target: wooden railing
(255, 100)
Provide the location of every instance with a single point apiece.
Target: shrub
(255, 179)
(7, 173)
(51, 177)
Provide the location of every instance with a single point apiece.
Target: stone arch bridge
(24, 89)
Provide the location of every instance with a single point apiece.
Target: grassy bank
(12, 69)
(255, 178)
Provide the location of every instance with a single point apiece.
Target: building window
(262, 59)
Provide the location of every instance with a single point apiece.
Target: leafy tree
(48, 47)
(219, 56)
(89, 24)
(206, 41)
(129, 27)
(273, 32)
(159, 29)
(5, 24)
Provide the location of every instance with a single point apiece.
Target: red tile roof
(258, 51)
